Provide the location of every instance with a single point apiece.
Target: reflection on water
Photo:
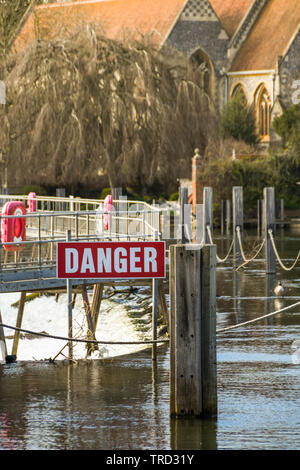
(123, 402)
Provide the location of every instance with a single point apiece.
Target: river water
(120, 399)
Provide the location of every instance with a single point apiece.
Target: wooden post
(207, 213)
(123, 209)
(70, 308)
(14, 350)
(154, 309)
(238, 221)
(116, 194)
(269, 223)
(183, 202)
(172, 292)
(61, 192)
(199, 224)
(96, 303)
(91, 327)
(282, 213)
(163, 303)
(223, 215)
(228, 216)
(208, 330)
(3, 348)
(154, 316)
(192, 328)
(259, 217)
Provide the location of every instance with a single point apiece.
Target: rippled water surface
(122, 402)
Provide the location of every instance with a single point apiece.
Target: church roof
(269, 37)
(231, 13)
(120, 17)
(117, 18)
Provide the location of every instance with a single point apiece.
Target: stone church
(250, 47)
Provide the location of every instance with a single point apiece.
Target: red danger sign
(110, 260)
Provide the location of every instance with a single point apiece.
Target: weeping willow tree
(11, 13)
(86, 109)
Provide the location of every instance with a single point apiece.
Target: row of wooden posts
(225, 215)
(192, 285)
(204, 221)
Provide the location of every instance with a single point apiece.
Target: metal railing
(54, 216)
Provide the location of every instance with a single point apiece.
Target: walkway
(34, 268)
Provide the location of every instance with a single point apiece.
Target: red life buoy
(31, 202)
(13, 230)
(108, 202)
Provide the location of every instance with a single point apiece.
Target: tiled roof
(231, 13)
(116, 17)
(270, 36)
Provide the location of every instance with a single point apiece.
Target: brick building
(245, 46)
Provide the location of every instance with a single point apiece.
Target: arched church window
(204, 71)
(239, 91)
(263, 111)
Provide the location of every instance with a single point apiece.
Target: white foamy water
(44, 314)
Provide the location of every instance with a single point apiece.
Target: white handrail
(133, 221)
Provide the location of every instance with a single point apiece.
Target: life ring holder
(13, 230)
(107, 207)
(31, 202)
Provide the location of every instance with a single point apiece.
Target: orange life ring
(31, 202)
(13, 229)
(108, 202)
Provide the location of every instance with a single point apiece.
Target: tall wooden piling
(15, 345)
(228, 216)
(237, 222)
(208, 330)
(183, 202)
(199, 224)
(223, 216)
(193, 386)
(116, 194)
(259, 217)
(163, 303)
(96, 303)
(154, 308)
(269, 224)
(3, 347)
(207, 213)
(91, 327)
(281, 215)
(154, 316)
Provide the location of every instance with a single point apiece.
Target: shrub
(105, 192)
(287, 126)
(238, 121)
(34, 188)
(174, 197)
